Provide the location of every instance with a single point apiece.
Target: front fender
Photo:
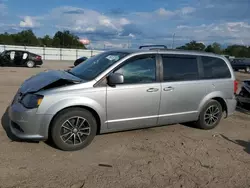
(54, 108)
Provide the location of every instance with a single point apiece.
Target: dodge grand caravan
(121, 90)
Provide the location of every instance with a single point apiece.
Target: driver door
(135, 103)
(8, 58)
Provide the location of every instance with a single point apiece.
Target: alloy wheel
(30, 64)
(212, 115)
(75, 130)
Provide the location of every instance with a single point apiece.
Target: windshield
(2, 53)
(94, 66)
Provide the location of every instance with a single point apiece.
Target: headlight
(31, 100)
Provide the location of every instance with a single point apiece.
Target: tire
(202, 122)
(65, 137)
(30, 64)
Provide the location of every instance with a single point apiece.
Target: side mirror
(115, 78)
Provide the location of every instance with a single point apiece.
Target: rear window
(215, 68)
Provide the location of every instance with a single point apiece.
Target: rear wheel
(210, 115)
(30, 64)
(73, 129)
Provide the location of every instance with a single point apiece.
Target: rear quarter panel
(217, 88)
(222, 88)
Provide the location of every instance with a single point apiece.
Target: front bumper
(26, 124)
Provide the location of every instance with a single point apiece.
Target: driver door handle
(152, 90)
(170, 88)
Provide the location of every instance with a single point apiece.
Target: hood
(48, 79)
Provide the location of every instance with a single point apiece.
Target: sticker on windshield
(112, 57)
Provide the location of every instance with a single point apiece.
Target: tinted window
(7, 55)
(215, 68)
(178, 68)
(139, 69)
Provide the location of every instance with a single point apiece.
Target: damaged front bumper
(26, 124)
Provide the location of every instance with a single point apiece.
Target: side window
(18, 54)
(180, 68)
(7, 55)
(215, 68)
(139, 69)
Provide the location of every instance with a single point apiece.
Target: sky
(130, 23)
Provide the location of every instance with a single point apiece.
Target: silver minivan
(121, 90)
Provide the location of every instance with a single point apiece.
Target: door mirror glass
(115, 78)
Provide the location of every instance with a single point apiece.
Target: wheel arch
(218, 96)
(91, 110)
(222, 103)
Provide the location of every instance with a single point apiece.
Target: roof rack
(146, 46)
(181, 50)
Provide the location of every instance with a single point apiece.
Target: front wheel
(73, 129)
(210, 115)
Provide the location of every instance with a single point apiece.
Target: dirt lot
(169, 156)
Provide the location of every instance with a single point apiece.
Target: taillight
(235, 86)
(38, 58)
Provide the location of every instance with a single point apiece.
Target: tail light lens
(235, 86)
(38, 57)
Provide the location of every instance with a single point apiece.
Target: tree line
(63, 39)
(231, 50)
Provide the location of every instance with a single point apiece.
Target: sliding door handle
(152, 90)
(168, 88)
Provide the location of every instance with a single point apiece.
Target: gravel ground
(168, 156)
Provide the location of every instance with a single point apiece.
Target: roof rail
(145, 46)
(181, 50)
